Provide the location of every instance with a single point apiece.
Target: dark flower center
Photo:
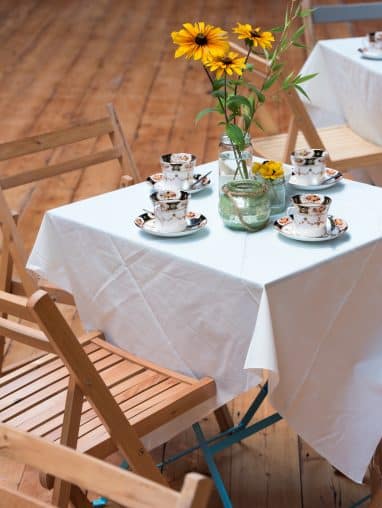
(226, 60)
(201, 40)
(255, 34)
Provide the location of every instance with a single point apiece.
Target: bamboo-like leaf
(298, 33)
(301, 79)
(300, 89)
(277, 29)
(205, 112)
(298, 44)
(269, 82)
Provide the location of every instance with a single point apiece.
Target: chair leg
(208, 457)
(223, 418)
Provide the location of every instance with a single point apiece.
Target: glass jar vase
(234, 163)
(245, 205)
(277, 195)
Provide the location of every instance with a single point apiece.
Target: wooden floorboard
(61, 61)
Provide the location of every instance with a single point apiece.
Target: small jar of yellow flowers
(272, 173)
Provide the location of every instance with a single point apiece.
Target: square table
(235, 305)
(347, 88)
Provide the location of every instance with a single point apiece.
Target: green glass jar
(245, 205)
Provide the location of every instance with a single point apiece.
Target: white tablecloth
(232, 304)
(348, 88)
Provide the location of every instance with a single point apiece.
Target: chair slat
(33, 175)
(351, 12)
(15, 306)
(49, 140)
(25, 335)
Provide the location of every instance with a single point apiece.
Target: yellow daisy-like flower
(254, 35)
(270, 170)
(228, 63)
(199, 40)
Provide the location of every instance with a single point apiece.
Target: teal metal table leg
(208, 457)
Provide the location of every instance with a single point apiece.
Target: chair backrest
(109, 125)
(337, 13)
(123, 487)
(55, 336)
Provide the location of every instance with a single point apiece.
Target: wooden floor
(61, 61)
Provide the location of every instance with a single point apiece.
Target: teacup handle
(290, 210)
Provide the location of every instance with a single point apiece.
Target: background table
(232, 304)
(347, 88)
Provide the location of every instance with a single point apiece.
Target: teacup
(309, 165)
(310, 214)
(178, 170)
(170, 209)
(374, 40)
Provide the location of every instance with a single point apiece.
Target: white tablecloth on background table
(232, 305)
(348, 88)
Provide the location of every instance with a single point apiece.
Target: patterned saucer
(286, 227)
(149, 224)
(337, 176)
(157, 178)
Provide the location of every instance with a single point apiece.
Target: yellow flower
(270, 170)
(254, 35)
(200, 40)
(228, 63)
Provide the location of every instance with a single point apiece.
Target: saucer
(286, 227)
(149, 224)
(371, 54)
(337, 176)
(158, 177)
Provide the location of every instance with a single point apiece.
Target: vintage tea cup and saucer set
(310, 172)
(170, 216)
(308, 218)
(372, 46)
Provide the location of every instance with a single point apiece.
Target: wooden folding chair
(120, 151)
(126, 397)
(337, 13)
(123, 487)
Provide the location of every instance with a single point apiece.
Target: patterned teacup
(310, 214)
(178, 170)
(170, 209)
(309, 165)
(374, 40)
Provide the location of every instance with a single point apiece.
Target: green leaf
(236, 135)
(298, 33)
(269, 82)
(249, 67)
(300, 89)
(234, 102)
(276, 66)
(287, 81)
(247, 121)
(305, 12)
(307, 77)
(204, 112)
(258, 124)
(217, 83)
(218, 93)
(298, 44)
(277, 29)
